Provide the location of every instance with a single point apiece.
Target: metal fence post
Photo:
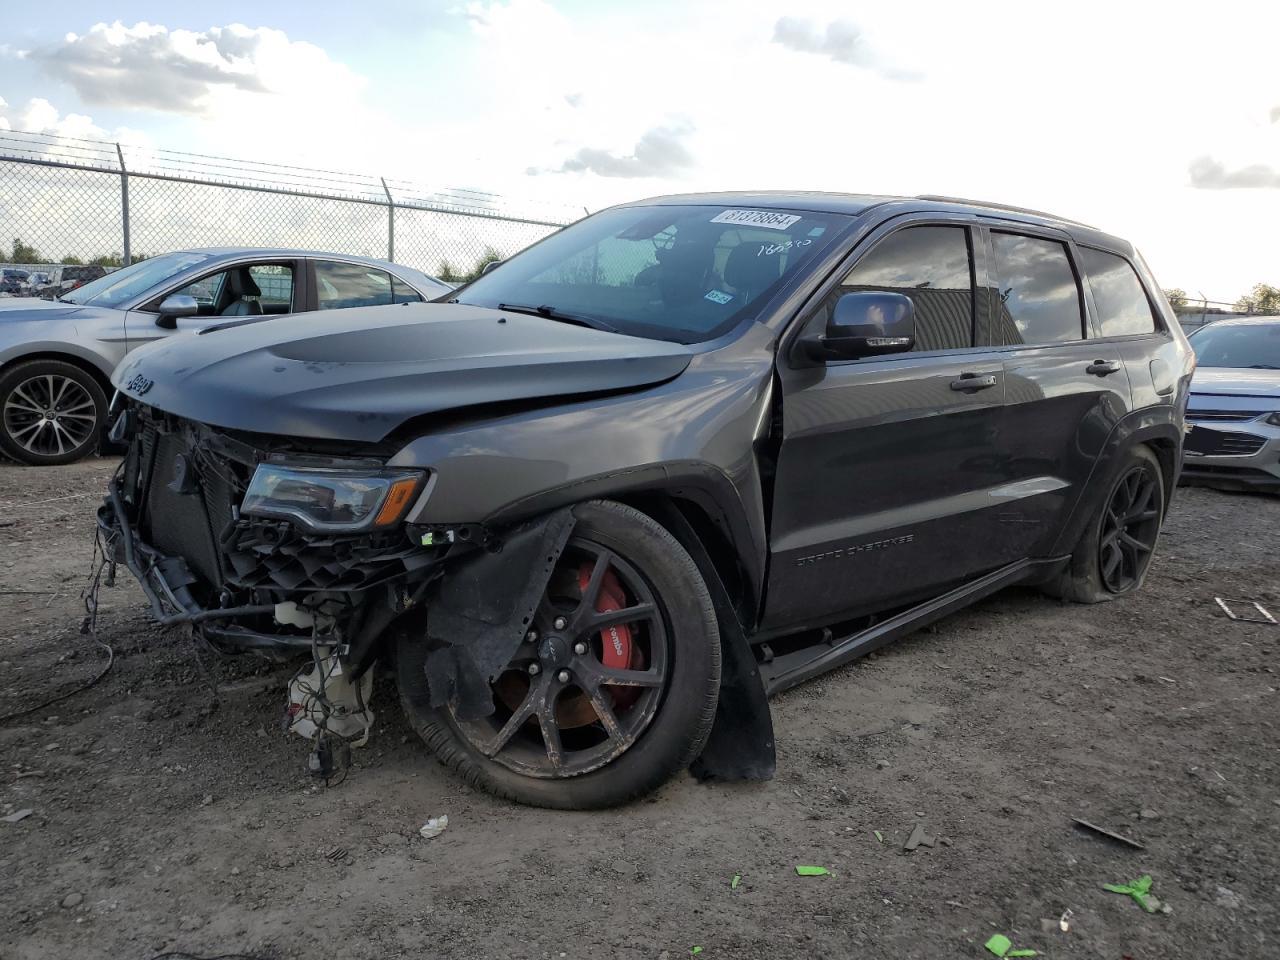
(124, 205)
(391, 221)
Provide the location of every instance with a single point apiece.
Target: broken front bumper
(172, 517)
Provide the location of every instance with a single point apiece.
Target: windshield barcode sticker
(719, 296)
(769, 219)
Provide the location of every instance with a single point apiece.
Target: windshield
(128, 282)
(681, 273)
(1254, 346)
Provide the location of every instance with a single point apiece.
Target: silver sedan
(1233, 414)
(56, 357)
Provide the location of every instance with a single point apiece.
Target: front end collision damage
(471, 559)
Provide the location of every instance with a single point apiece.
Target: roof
(278, 252)
(272, 252)
(855, 204)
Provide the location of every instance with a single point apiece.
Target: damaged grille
(179, 524)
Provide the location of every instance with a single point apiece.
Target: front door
(238, 292)
(885, 477)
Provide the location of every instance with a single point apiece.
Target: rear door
(1064, 388)
(881, 491)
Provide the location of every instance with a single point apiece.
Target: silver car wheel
(50, 415)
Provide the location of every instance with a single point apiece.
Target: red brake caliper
(617, 649)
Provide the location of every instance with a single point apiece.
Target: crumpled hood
(358, 374)
(1236, 381)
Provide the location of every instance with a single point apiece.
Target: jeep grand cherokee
(678, 456)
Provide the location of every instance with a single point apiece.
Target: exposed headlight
(332, 499)
(1274, 419)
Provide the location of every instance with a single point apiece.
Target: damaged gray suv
(674, 458)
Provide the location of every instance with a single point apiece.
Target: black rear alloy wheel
(615, 686)
(51, 412)
(1130, 528)
(1115, 550)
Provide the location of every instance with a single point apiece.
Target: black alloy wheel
(1130, 528)
(588, 679)
(614, 688)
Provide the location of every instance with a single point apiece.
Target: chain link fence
(74, 201)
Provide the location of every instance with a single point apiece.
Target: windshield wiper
(551, 313)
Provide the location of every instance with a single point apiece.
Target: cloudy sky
(1161, 126)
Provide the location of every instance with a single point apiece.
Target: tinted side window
(401, 292)
(1039, 299)
(341, 285)
(1123, 308)
(932, 266)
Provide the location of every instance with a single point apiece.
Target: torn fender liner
(741, 745)
(484, 608)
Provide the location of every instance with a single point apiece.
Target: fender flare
(698, 482)
(1157, 423)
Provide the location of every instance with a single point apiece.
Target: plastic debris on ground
(804, 871)
(1140, 891)
(18, 815)
(1001, 946)
(434, 827)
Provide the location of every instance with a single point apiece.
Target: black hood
(358, 374)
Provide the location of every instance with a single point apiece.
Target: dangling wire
(89, 626)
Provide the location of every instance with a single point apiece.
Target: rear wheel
(1115, 552)
(51, 412)
(613, 691)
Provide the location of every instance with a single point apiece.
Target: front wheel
(1115, 551)
(51, 412)
(615, 687)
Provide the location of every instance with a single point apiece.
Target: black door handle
(1100, 368)
(973, 381)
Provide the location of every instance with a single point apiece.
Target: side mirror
(489, 266)
(865, 324)
(174, 306)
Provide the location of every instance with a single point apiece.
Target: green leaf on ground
(998, 944)
(1138, 890)
(879, 836)
(737, 879)
(1022, 953)
(812, 871)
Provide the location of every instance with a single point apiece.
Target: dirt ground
(170, 816)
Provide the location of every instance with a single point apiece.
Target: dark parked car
(14, 281)
(1233, 415)
(56, 358)
(680, 455)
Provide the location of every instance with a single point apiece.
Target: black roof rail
(1002, 206)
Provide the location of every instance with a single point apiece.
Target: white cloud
(841, 40)
(1210, 174)
(148, 66)
(660, 152)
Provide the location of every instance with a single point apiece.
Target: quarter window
(401, 292)
(934, 268)
(1123, 307)
(341, 285)
(1038, 299)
